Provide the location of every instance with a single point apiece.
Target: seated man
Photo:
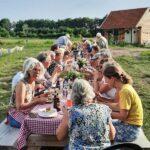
(57, 60)
(45, 59)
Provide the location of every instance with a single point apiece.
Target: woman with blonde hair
(22, 99)
(130, 115)
(89, 124)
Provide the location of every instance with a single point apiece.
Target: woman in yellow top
(130, 115)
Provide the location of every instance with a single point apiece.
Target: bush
(72, 75)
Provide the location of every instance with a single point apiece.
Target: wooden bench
(35, 142)
(142, 140)
(8, 137)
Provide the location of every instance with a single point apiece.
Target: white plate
(49, 114)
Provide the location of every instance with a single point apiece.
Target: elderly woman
(22, 99)
(89, 124)
(130, 115)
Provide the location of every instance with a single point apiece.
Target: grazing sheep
(9, 50)
(1, 53)
(18, 48)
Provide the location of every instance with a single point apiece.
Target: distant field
(12, 63)
(138, 67)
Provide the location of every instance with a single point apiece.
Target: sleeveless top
(29, 94)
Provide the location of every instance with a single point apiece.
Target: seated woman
(130, 116)
(106, 92)
(89, 124)
(22, 99)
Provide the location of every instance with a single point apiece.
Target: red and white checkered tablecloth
(37, 125)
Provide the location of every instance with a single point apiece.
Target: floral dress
(89, 127)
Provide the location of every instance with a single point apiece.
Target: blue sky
(60, 9)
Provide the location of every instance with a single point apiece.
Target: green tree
(4, 32)
(6, 24)
(85, 26)
(25, 29)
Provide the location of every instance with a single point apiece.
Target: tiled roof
(123, 18)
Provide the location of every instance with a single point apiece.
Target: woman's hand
(65, 112)
(58, 69)
(112, 131)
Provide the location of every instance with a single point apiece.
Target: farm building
(129, 26)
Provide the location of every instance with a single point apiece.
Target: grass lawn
(10, 64)
(137, 67)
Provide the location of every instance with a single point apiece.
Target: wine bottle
(56, 102)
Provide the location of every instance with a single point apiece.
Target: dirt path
(127, 52)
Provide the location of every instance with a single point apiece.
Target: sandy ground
(127, 52)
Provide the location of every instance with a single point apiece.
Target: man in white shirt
(16, 79)
(64, 42)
